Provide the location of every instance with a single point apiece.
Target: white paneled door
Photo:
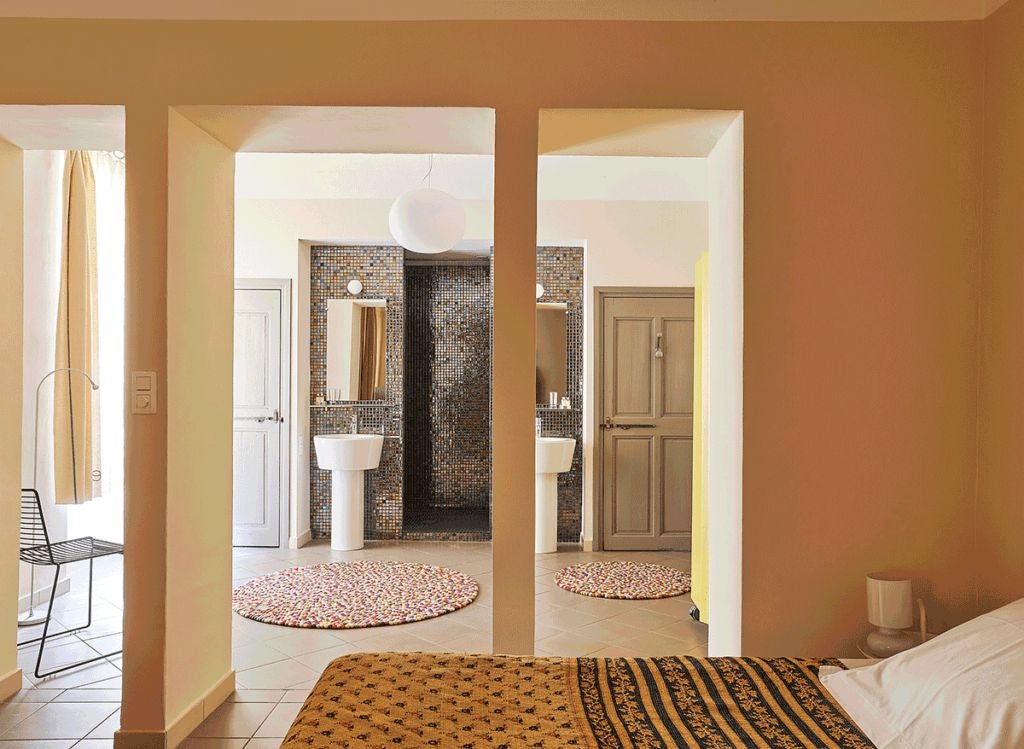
(259, 426)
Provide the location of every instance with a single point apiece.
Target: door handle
(275, 417)
(609, 424)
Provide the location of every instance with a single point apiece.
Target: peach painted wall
(1001, 406)
(12, 166)
(863, 152)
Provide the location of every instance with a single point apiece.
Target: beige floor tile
(12, 713)
(565, 619)
(570, 644)
(105, 730)
(616, 651)
(256, 695)
(392, 639)
(302, 641)
(318, 661)
(40, 744)
(257, 654)
(95, 744)
(211, 744)
(67, 720)
(263, 744)
(655, 644)
(279, 721)
(280, 675)
(476, 642)
(89, 695)
(31, 694)
(79, 677)
(650, 621)
(234, 720)
(295, 695)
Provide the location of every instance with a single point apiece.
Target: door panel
(631, 467)
(677, 484)
(677, 356)
(257, 494)
(646, 429)
(631, 368)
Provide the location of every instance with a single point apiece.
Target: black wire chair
(35, 548)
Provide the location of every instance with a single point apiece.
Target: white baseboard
(43, 595)
(180, 728)
(588, 544)
(10, 684)
(297, 543)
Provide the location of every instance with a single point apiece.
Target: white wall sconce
(540, 291)
(355, 287)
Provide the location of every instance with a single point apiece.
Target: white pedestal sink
(554, 456)
(346, 456)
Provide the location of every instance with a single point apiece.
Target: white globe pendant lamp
(427, 220)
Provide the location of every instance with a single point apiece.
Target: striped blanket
(445, 700)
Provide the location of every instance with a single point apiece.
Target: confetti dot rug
(623, 580)
(348, 595)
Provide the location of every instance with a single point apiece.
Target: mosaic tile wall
(441, 469)
(447, 399)
(381, 271)
(560, 272)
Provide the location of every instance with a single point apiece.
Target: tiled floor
(277, 666)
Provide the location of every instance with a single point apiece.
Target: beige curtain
(372, 353)
(76, 419)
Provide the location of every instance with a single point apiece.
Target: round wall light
(355, 287)
(540, 291)
(427, 220)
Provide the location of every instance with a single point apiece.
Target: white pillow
(962, 690)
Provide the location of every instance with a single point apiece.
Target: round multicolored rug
(348, 595)
(633, 580)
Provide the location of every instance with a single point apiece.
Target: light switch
(143, 392)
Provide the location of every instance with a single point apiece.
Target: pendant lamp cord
(430, 168)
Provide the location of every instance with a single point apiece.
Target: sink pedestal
(347, 457)
(347, 513)
(546, 492)
(553, 456)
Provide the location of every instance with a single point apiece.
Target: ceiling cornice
(427, 10)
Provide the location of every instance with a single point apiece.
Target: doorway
(644, 402)
(261, 397)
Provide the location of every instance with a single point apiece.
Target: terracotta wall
(863, 153)
(1001, 373)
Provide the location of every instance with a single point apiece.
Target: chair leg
(39, 660)
(46, 623)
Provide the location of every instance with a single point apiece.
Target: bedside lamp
(890, 608)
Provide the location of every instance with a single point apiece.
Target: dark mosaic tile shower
(447, 399)
(434, 482)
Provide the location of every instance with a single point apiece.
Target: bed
(964, 689)
(453, 700)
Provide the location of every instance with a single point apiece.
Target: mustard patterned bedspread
(465, 701)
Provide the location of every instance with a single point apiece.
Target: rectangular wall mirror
(551, 351)
(356, 349)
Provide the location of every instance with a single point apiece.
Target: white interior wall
(43, 190)
(628, 243)
(725, 428)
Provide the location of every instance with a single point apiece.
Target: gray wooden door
(646, 429)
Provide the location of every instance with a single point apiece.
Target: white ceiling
(467, 177)
(342, 10)
(348, 129)
(61, 128)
